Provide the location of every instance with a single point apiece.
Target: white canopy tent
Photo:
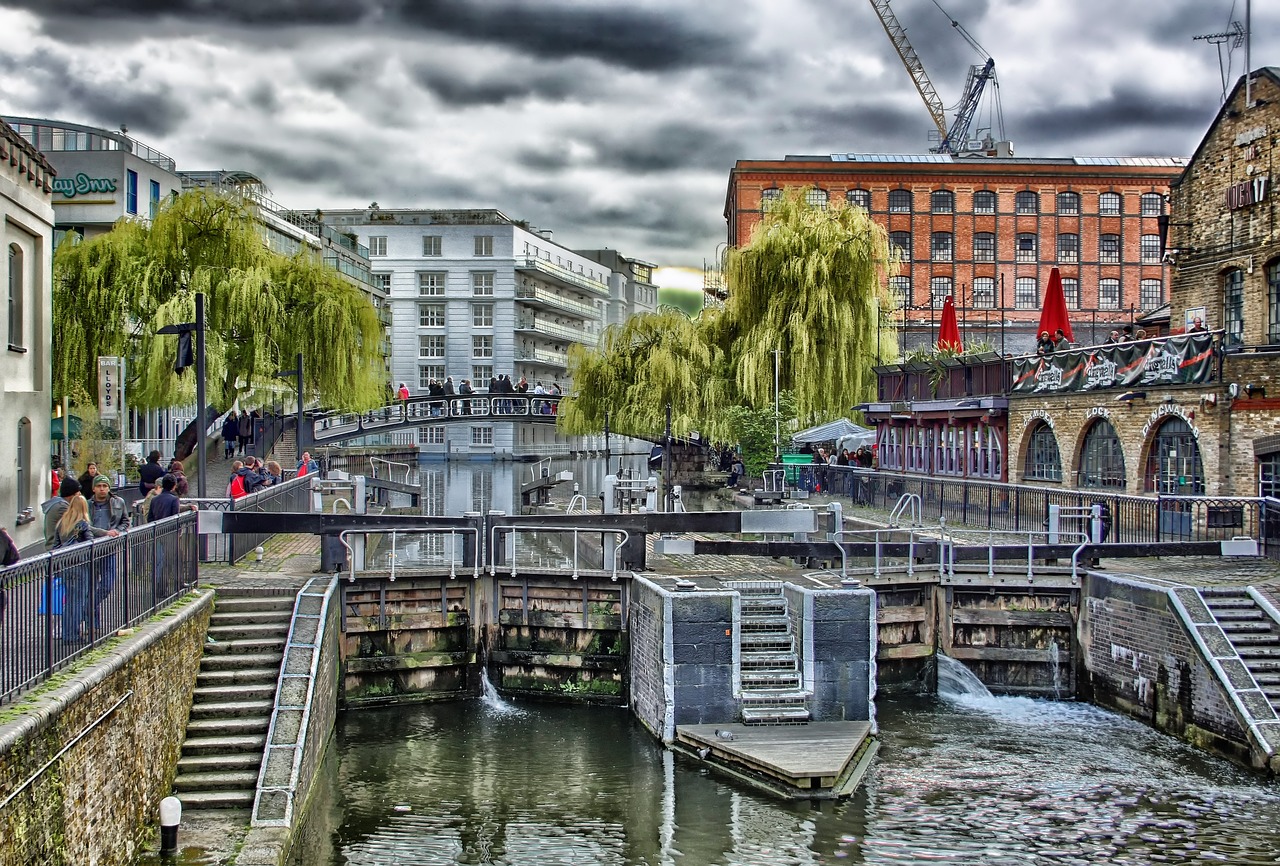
(843, 432)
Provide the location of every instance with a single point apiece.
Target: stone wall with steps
(127, 706)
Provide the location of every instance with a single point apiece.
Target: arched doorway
(1173, 461)
(1043, 460)
(1101, 463)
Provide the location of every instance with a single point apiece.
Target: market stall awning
(831, 432)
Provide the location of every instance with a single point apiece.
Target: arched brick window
(1101, 457)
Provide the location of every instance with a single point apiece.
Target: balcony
(547, 357)
(540, 297)
(351, 269)
(563, 275)
(551, 329)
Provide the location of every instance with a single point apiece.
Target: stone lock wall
(836, 633)
(1136, 658)
(93, 803)
(646, 617)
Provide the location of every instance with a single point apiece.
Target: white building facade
(26, 233)
(474, 294)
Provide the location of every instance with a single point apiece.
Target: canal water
(964, 780)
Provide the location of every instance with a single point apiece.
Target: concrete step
(251, 617)
(242, 661)
(1268, 664)
(778, 679)
(766, 716)
(766, 623)
(226, 677)
(1271, 678)
(1232, 614)
(253, 604)
(1235, 626)
(231, 762)
(1241, 602)
(221, 727)
(230, 780)
(242, 646)
(768, 660)
(1256, 640)
(775, 696)
(760, 641)
(232, 709)
(232, 691)
(216, 800)
(224, 744)
(262, 632)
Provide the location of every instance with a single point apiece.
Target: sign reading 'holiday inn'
(82, 184)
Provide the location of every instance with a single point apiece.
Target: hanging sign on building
(1178, 360)
(108, 388)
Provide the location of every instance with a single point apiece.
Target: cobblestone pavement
(287, 562)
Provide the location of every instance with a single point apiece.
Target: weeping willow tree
(113, 292)
(640, 367)
(811, 285)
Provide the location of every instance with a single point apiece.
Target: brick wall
(1136, 657)
(837, 655)
(647, 627)
(92, 804)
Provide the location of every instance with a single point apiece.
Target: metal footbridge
(432, 411)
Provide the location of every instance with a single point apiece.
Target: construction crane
(954, 138)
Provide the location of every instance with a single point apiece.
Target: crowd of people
(497, 386)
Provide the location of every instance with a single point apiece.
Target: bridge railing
(1023, 508)
(428, 410)
(57, 606)
(288, 495)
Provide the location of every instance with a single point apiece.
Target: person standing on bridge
(403, 393)
(466, 390)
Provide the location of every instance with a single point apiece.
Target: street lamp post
(777, 431)
(202, 422)
(296, 372)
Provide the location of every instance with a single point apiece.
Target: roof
(952, 159)
(1272, 72)
(12, 143)
(829, 432)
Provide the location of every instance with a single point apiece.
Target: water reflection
(1014, 781)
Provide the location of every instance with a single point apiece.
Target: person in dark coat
(244, 431)
(150, 473)
(230, 430)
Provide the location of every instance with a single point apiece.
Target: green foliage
(809, 284)
(934, 357)
(754, 430)
(112, 293)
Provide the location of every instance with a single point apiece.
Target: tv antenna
(1232, 39)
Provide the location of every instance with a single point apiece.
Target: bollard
(170, 818)
(257, 553)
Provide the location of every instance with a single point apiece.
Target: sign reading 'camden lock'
(1179, 360)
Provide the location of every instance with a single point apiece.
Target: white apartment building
(26, 232)
(475, 294)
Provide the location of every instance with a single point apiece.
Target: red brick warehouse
(988, 228)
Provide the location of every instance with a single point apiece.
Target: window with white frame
(984, 247)
(481, 436)
(1233, 307)
(816, 198)
(943, 246)
(482, 315)
(984, 201)
(23, 475)
(1110, 204)
(1150, 249)
(431, 346)
(1068, 247)
(939, 289)
(900, 288)
(431, 245)
(429, 372)
(480, 375)
(430, 315)
(382, 282)
(1109, 249)
(1025, 248)
(1071, 292)
(1108, 294)
(431, 284)
(482, 346)
(431, 435)
(482, 283)
(984, 292)
(1025, 294)
(1150, 294)
(484, 245)
(377, 245)
(1152, 204)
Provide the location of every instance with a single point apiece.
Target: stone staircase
(234, 694)
(285, 451)
(769, 666)
(1253, 634)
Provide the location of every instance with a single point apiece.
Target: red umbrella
(949, 331)
(1053, 313)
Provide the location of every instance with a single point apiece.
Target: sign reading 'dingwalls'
(82, 184)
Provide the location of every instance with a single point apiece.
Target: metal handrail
(393, 557)
(907, 501)
(374, 461)
(515, 529)
(876, 533)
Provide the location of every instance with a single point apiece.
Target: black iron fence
(1271, 528)
(289, 495)
(57, 606)
(1025, 508)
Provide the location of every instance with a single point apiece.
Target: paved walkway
(288, 561)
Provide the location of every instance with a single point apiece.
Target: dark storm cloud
(155, 108)
(857, 126)
(248, 12)
(613, 34)
(458, 88)
(637, 150)
(1126, 107)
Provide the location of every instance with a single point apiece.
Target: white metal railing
(559, 272)
(374, 461)
(551, 299)
(514, 530)
(394, 556)
(878, 535)
(542, 326)
(907, 503)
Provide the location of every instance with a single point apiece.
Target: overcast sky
(613, 123)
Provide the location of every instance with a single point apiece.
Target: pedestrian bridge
(430, 411)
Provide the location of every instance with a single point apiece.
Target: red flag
(1053, 313)
(949, 330)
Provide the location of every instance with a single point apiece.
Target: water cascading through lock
(955, 681)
